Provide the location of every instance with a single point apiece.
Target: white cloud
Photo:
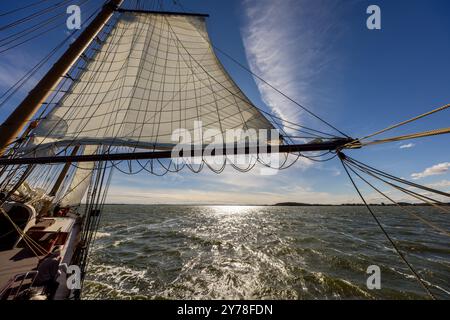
(289, 43)
(439, 169)
(440, 184)
(407, 146)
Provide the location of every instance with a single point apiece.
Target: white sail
(80, 181)
(154, 74)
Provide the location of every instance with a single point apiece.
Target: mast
(59, 182)
(16, 122)
(63, 174)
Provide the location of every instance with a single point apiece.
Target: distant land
(299, 204)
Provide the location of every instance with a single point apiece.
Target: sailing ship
(112, 102)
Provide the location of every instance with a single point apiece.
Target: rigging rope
(415, 195)
(241, 65)
(23, 8)
(21, 82)
(27, 33)
(400, 254)
(97, 197)
(34, 15)
(74, 139)
(407, 121)
(392, 177)
(430, 224)
(35, 247)
(424, 134)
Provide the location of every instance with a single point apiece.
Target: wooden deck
(16, 261)
(22, 260)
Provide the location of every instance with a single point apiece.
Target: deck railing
(9, 292)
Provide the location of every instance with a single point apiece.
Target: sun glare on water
(232, 210)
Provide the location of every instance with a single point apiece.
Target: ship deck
(22, 260)
(16, 261)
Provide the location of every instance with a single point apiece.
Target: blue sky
(320, 53)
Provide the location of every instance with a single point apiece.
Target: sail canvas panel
(154, 74)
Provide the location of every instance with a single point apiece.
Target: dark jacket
(48, 269)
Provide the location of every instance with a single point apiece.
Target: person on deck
(56, 210)
(48, 271)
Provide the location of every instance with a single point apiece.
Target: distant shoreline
(296, 204)
(281, 204)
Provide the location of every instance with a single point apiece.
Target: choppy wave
(99, 235)
(176, 252)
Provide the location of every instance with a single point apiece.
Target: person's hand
(63, 267)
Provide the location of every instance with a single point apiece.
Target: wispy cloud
(439, 169)
(407, 146)
(289, 44)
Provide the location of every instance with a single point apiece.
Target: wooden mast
(13, 126)
(63, 174)
(45, 208)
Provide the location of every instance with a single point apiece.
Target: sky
(320, 53)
